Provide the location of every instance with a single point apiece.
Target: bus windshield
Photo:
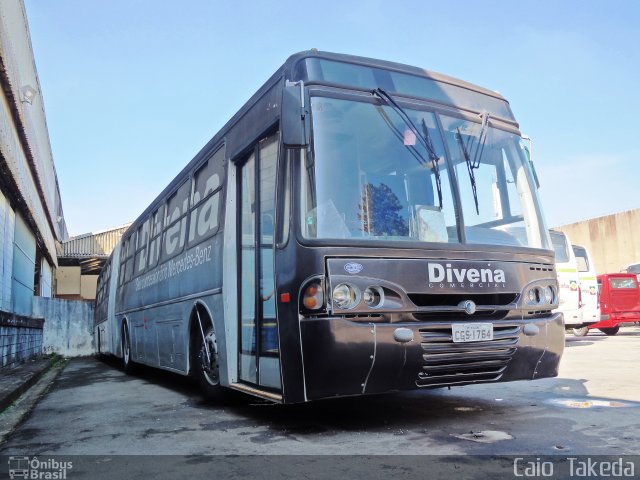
(560, 247)
(371, 177)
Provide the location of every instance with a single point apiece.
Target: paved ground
(592, 408)
(15, 381)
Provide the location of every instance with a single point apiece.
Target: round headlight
(345, 296)
(534, 296)
(373, 297)
(549, 295)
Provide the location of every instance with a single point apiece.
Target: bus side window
(176, 221)
(101, 286)
(131, 248)
(205, 199)
(204, 215)
(141, 251)
(157, 220)
(206, 180)
(99, 290)
(123, 260)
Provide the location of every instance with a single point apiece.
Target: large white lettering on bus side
(204, 219)
(154, 250)
(212, 183)
(208, 216)
(175, 236)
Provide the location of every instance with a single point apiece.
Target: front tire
(580, 332)
(610, 331)
(207, 368)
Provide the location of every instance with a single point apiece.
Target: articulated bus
(358, 227)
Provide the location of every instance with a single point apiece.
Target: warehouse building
(81, 260)
(32, 224)
(613, 240)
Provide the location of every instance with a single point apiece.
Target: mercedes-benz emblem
(468, 306)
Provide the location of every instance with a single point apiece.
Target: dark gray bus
(358, 227)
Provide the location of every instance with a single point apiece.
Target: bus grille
(481, 316)
(449, 363)
(453, 299)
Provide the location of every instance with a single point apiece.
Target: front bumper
(346, 357)
(574, 318)
(615, 319)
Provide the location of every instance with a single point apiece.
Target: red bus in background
(619, 301)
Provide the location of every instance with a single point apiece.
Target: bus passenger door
(259, 361)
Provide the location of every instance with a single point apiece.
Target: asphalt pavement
(592, 408)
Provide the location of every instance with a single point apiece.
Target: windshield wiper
(473, 164)
(424, 137)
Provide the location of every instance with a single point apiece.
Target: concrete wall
(68, 328)
(20, 339)
(613, 240)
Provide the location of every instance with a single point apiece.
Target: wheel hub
(210, 362)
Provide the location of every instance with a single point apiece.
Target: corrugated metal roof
(95, 244)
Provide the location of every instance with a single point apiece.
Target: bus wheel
(206, 366)
(610, 331)
(580, 332)
(127, 364)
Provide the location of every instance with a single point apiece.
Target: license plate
(472, 332)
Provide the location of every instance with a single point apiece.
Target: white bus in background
(568, 280)
(633, 268)
(588, 289)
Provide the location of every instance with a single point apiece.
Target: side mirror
(295, 126)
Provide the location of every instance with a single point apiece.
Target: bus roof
(294, 59)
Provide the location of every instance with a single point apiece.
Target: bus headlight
(541, 295)
(373, 297)
(534, 296)
(550, 295)
(346, 296)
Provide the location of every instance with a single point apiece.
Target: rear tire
(610, 331)
(127, 363)
(206, 368)
(580, 332)
(98, 348)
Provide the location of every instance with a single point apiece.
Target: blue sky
(133, 89)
